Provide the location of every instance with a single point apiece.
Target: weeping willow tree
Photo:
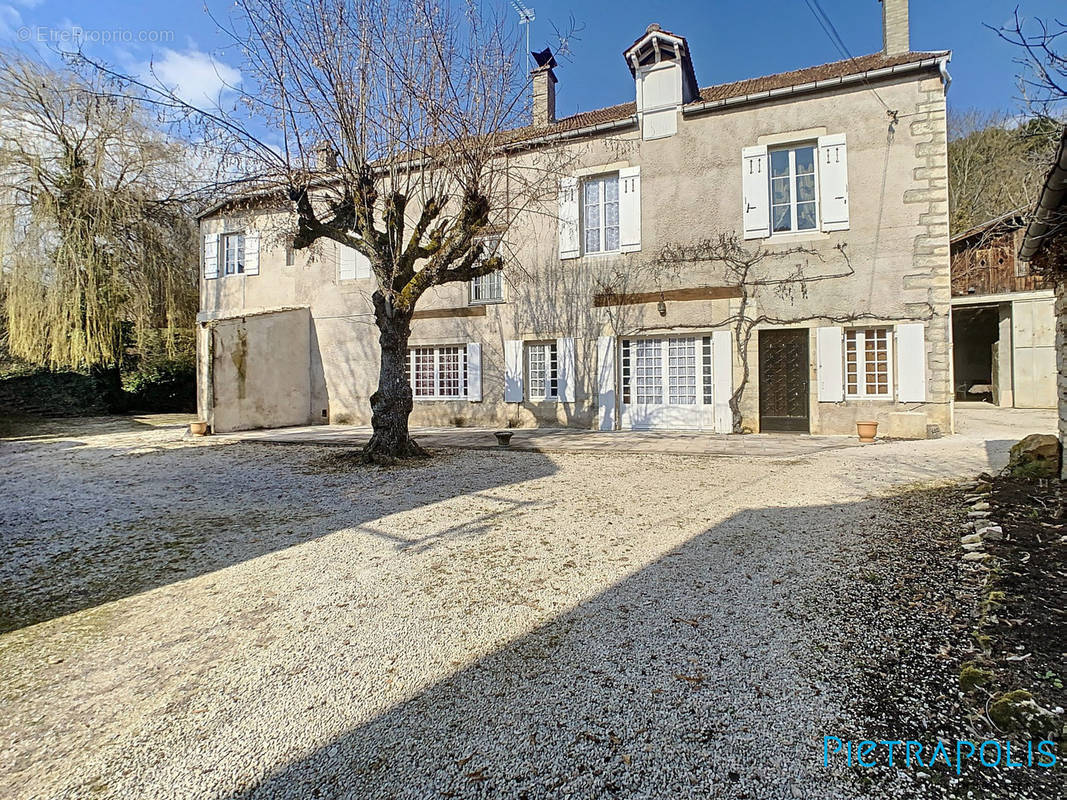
(99, 246)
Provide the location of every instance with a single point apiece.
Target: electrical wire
(834, 36)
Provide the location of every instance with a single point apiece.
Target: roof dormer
(664, 78)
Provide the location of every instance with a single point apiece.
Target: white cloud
(10, 21)
(193, 75)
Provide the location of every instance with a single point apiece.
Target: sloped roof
(736, 89)
(821, 77)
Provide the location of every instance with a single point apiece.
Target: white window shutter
(605, 381)
(911, 362)
(363, 270)
(513, 371)
(830, 363)
(630, 209)
(833, 182)
(474, 372)
(251, 253)
(565, 377)
(569, 244)
(755, 190)
(211, 255)
(722, 378)
(346, 263)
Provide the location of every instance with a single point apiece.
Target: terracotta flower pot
(867, 430)
(198, 428)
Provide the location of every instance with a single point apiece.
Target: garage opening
(975, 336)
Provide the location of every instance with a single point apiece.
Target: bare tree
(995, 164)
(97, 236)
(393, 132)
(784, 274)
(1042, 61)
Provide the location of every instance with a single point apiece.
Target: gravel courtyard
(194, 619)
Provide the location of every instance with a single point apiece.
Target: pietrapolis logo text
(989, 753)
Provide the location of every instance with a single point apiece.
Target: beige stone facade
(894, 242)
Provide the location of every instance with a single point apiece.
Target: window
(793, 191)
(233, 253)
(437, 372)
(600, 214)
(867, 360)
(290, 256)
(488, 288)
(542, 370)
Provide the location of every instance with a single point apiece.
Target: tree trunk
(391, 404)
(109, 384)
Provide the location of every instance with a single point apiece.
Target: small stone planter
(867, 430)
(503, 438)
(198, 428)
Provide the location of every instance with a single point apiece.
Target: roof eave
(1049, 213)
(708, 106)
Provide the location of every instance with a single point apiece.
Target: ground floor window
(656, 371)
(438, 372)
(542, 370)
(867, 360)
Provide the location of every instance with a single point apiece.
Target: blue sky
(728, 42)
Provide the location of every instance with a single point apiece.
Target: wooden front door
(783, 380)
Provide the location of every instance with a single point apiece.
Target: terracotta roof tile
(725, 91)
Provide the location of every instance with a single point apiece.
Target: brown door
(783, 380)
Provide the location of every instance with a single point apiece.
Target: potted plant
(867, 430)
(198, 428)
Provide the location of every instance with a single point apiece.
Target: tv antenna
(526, 16)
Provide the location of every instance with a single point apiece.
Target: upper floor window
(794, 206)
(800, 188)
(233, 253)
(867, 360)
(488, 288)
(600, 214)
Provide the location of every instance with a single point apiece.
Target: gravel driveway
(190, 619)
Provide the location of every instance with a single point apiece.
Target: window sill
(498, 302)
(793, 237)
(440, 399)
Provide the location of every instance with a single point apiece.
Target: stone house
(847, 160)
(1003, 332)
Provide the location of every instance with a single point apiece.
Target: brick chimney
(895, 37)
(544, 88)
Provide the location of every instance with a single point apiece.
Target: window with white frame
(600, 214)
(867, 362)
(793, 192)
(437, 372)
(233, 253)
(542, 370)
(488, 288)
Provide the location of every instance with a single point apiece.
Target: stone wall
(928, 287)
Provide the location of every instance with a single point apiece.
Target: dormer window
(664, 78)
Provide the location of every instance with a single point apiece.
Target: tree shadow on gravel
(707, 673)
(82, 526)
